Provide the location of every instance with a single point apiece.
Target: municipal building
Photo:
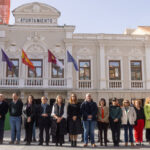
(110, 65)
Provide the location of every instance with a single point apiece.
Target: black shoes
(47, 144)
(40, 143)
(1, 141)
(34, 140)
(73, 143)
(57, 144)
(28, 143)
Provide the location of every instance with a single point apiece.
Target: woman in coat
(147, 118)
(59, 125)
(29, 118)
(128, 120)
(139, 125)
(74, 119)
(103, 120)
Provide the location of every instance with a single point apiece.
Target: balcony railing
(137, 84)
(9, 82)
(57, 82)
(33, 83)
(115, 84)
(84, 84)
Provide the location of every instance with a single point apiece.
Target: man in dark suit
(3, 111)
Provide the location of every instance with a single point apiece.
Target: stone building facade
(110, 65)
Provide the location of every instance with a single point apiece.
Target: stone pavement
(66, 146)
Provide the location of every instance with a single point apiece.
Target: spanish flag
(26, 60)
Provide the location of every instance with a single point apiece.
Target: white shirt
(64, 114)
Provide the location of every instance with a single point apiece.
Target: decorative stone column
(22, 96)
(147, 65)
(45, 70)
(102, 67)
(68, 69)
(1, 62)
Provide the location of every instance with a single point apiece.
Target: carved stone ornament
(84, 51)
(13, 50)
(58, 52)
(135, 51)
(36, 8)
(36, 37)
(35, 48)
(114, 51)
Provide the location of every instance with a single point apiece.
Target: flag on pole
(54, 60)
(6, 58)
(71, 59)
(26, 60)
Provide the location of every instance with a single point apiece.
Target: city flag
(54, 60)
(6, 58)
(71, 59)
(26, 60)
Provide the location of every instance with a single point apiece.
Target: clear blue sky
(98, 16)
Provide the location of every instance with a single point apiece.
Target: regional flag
(6, 58)
(71, 59)
(54, 60)
(26, 60)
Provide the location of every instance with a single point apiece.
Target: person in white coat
(128, 121)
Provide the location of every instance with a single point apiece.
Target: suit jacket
(3, 110)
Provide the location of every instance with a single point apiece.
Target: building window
(15, 70)
(114, 70)
(38, 73)
(57, 72)
(84, 70)
(136, 70)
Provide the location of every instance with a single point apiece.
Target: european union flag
(71, 59)
(5, 58)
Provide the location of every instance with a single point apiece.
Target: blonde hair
(71, 101)
(125, 100)
(58, 96)
(147, 100)
(43, 97)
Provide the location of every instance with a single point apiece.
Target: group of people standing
(75, 119)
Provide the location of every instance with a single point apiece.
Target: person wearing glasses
(128, 120)
(115, 113)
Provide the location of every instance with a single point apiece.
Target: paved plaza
(34, 145)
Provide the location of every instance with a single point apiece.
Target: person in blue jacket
(89, 115)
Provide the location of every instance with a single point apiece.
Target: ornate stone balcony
(84, 84)
(136, 84)
(115, 84)
(33, 83)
